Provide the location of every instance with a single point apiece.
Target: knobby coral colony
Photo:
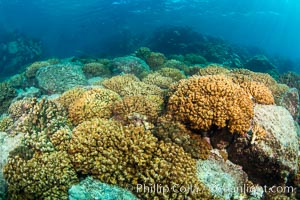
(126, 131)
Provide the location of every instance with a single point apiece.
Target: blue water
(100, 27)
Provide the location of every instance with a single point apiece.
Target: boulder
(271, 159)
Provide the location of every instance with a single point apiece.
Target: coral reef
(175, 64)
(174, 74)
(128, 156)
(212, 100)
(70, 96)
(117, 83)
(290, 100)
(34, 67)
(213, 69)
(159, 80)
(129, 65)
(20, 107)
(130, 85)
(155, 60)
(95, 102)
(291, 79)
(259, 92)
(90, 189)
(6, 123)
(7, 93)
(42, 120)
(261, 63)
(175, 132)
(126, 108)
(60, 77)
(44, 176)
(96, 69)
(192, 59)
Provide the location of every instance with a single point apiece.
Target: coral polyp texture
(95, 102)
(7, 93)
(42, 120)
(260, 93)
(40, 176)
(125, 109)
(212, 100)
(128, 156)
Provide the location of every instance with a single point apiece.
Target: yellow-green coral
(155, 60)
(95, 102)
(175, 64)
(126, 108)
(43, 119)
(213, 70)
(130, 85)
(7, 93)
(171, 131)
(96, 69)
(117, 83)
(34, 67)
(21, 107)
(6, 123)
(212, 100)
(158, 80)
(70, 96)
(174, 74)
(128, 156)
(42, 176)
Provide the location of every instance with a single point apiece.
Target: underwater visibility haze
(149, 99)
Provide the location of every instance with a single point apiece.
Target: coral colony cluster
(146, 126)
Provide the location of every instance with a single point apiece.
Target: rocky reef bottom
(146, 126)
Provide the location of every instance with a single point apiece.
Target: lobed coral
(259, 92)
(96, 69)
(291, 79)
(212, 100)
(117, 83)
(159, 80)
(125, 109)
(40, 176)
(34, 67)
(6, 123)
(21, 107)
(128, 156)
(174, 74)
(213, 69)
(175, 64)
(95, 102)
(171, 131)
(42, 120)
(7, 93)
(129, 65)
(192, 58)
(129, 85)
(70, 96)
(155, 60)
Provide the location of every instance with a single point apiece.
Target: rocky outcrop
(271, 159)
